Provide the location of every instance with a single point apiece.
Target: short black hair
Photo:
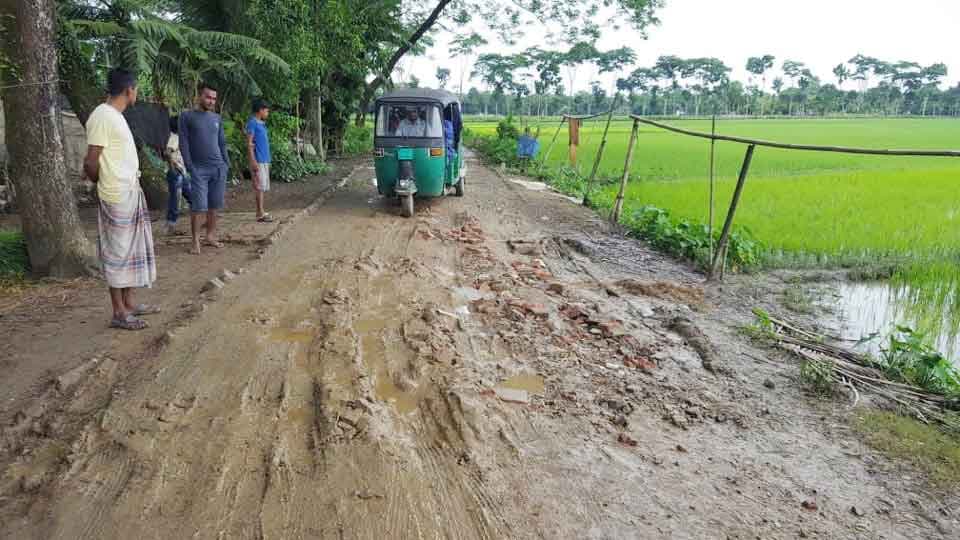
(259, 104)
(174, 123)
(119, 79)
(205, 86)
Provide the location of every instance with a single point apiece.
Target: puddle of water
(533, 186)
(531, 383)
(287, 335)
(468, 294)
(868, 308)
(540, 186)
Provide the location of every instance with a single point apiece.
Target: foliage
(924, 446)
(506, 129)
(14, 261)
(909, 359)
(357, 140)
(819, 377)
(172, 56)
(288, 166)
(686, 239)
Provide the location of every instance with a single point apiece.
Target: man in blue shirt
(204, 149)
(258, 153)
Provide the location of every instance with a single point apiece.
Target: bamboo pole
(596, 162)
(546, 155)
(573, 124)
(721, 253)
(618, 205)
(810, 147)
(713, 145)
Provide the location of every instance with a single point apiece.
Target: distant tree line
(538, 82)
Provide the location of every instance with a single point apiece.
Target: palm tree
(173, 56)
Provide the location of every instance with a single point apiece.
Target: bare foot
(195, 250)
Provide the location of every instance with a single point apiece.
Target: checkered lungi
(125, 243)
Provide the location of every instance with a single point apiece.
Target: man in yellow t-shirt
(125, 242)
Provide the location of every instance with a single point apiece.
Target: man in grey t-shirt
(204, 149)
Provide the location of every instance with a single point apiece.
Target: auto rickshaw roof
(419, 94)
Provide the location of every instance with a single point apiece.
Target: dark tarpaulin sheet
(150, 124)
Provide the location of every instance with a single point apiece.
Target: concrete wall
(75, 142)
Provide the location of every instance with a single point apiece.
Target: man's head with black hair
(260, 109)
(208, 98)
(122, 85)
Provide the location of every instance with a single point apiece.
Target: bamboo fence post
(713, 145)
(618, 205)
(546, 155)
(596, 162)
(721, 252)
(573, 126)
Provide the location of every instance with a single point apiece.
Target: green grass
(14, 262)
(932, 451)
(824, 205)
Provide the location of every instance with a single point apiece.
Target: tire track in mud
(307, 399)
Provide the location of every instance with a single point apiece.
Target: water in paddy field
(876, 307)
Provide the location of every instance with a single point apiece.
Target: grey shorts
(208, 187)
(263, 176)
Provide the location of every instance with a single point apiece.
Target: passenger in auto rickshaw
(412, 125)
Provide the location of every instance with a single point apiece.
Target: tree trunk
(48, 210)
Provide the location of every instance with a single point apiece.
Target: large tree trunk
(48, 210)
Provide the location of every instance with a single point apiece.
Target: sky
(820, 33)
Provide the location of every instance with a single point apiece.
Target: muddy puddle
(519, 388)
(876, 308)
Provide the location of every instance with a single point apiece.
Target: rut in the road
(310, 401)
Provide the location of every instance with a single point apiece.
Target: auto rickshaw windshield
(409, 120)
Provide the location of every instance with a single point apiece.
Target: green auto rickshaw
(417, 146)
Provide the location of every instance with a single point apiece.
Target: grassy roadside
(925, 447)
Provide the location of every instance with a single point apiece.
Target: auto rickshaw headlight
(436, 152)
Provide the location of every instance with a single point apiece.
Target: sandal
(145, 309)
(213, 243)
(266, 218)
(129, 323)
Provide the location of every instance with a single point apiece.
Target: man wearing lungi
(125, 243)
(203, 146)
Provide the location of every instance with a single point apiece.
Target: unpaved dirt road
(499, 366)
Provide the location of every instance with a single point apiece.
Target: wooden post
(618, 205)
(573, 127)
(596, 162)
(556, 134)
(713, 145)
(720, 254)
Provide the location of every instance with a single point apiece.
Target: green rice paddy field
(819, 204)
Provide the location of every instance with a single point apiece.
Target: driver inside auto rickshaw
(412, 125)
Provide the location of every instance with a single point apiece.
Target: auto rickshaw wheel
(406, 205)
(458, 187)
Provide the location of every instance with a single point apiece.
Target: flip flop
(145, 309)
(266, 218)
(213, 243)
(129, 323)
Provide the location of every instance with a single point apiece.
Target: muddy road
(498, 366)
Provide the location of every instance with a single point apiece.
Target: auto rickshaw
(417, 145)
